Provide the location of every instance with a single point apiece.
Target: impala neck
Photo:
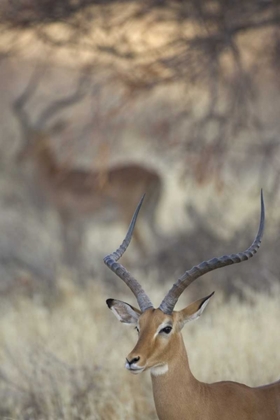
(175, 386)
(48, 162)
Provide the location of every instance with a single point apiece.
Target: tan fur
(178, 395)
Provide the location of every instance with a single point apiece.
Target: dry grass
(65, 361)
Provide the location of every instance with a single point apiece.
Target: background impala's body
(178, 395)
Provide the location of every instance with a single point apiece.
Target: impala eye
(166, 330)
(137, 329)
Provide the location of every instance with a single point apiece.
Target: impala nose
(132, 361)
(132, 365)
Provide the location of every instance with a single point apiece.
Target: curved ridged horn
(111, 261)
(170, 300)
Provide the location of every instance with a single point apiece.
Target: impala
(178, 395)
(78, 194)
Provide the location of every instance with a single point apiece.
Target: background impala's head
(159, 329)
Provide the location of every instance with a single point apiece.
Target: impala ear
(124, 312)
(193, 311)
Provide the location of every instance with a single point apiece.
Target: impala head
(159, 329)
(37, 142)
(35, 134)
(157, 332)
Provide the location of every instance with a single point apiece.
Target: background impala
(79, 194)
